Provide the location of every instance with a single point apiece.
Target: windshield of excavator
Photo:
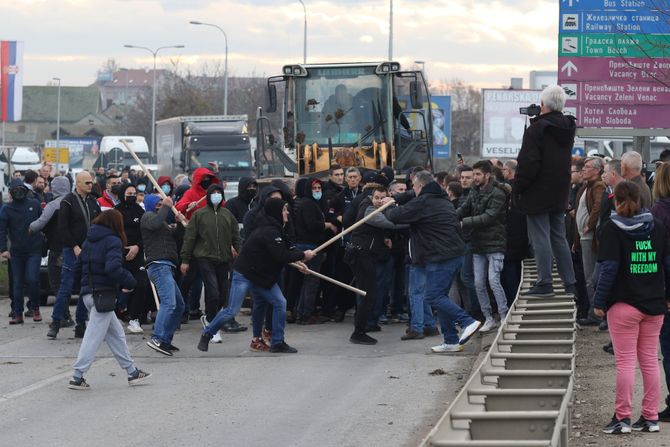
(345, 104)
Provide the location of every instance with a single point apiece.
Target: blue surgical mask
(141, 187)
(317, 195)
(216, 198)
(166, 188)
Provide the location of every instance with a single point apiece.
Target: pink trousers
(635, 338)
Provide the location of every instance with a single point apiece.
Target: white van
(25, 158)
(113, 153)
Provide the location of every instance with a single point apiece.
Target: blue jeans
(25, 274)
(470, 301)
(238, 290)
(421, 315)
(488, 267)
(67, 277)
(434, 280)
(171, 302)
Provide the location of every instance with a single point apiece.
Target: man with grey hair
(436, 251)
(509, 170)
(541, 188)
(631, 169)
(587, 205)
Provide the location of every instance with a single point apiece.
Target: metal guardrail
(521, 393)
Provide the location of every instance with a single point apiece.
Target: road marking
(44, 383)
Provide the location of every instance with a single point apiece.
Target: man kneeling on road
(256, 270)
(436, 251)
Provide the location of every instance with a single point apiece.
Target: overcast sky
(482, 42)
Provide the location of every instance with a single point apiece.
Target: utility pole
(391, 31)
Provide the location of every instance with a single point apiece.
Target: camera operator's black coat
(542, 180)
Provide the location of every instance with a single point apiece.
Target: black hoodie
(310, 217)
(542, 180)
(241, 204)
(132, 216)
(266, 252)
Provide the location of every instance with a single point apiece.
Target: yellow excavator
(368, 115)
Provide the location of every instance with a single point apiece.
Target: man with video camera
(542, 184)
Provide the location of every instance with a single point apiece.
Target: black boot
(54, 327)
(79, 330)
(203, 344)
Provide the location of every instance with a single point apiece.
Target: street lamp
(304, 36)
(57, 125)
(423, 66)
(153, 88)
(125, 101)
(225, 68)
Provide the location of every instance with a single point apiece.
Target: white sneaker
(216, 338)
(488, 325)
(134, 327)
(447, 348)
(468, 331)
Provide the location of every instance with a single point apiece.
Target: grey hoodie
(60, 186)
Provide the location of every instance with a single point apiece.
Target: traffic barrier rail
(521, 393)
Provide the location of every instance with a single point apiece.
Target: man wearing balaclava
(212, 241)
(25, 251)
(246, 191)
(191, 200)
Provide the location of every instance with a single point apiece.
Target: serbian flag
(11, 80)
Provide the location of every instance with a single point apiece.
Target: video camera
(531, 110)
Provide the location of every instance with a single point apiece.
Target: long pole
(58, 127)
(391, 31)
(153, 181)
(153, 109)
(225, 67)
(153, 92)
(331, 280)
(304, 34)
(353, 227)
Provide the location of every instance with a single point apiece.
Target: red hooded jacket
(196, 192)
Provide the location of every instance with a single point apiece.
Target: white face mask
(216, 198)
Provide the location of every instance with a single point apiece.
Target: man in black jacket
(541, 189)
(436, 251)
(246, 191)
(257, 270)
(77, 211)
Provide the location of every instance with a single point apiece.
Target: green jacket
(484, 212)
(210, 234)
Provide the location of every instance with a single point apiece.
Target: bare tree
(465, 115)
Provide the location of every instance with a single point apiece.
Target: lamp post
(304, 36)
(423, 66)
(225, 67)
(391, 31)
(58, 126)
(153, 91)
(125, 102)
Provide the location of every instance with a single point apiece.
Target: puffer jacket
(157, 235)
(484, 211)
(15, 217)
(101, 261)
(210, 233)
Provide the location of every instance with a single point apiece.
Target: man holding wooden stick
(257, 270)
(436, 250)
(160, 250)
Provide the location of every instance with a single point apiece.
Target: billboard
(441, 110)
(11, 80)
(77, 149)
(502, 124)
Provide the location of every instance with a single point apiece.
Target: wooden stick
(353, 227)
(183, 220)
(189, 208)
(331, 280)
(153, 290)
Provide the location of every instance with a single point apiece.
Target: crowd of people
(448, 249)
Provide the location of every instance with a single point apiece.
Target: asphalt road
(332, 393)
